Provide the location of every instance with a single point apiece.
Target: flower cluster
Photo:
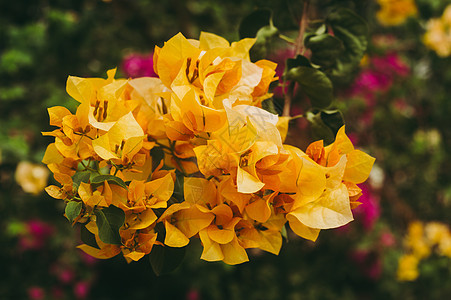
(191, 153)
(395, 12)
(438, 34)
(420, 241)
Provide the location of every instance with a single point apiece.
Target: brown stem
(288, 98)
(299, 50)
(302, 26)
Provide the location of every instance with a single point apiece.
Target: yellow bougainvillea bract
(194, 151)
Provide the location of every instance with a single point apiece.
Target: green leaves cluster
(335, 47)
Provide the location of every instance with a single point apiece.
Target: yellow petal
(134, 255)
(56, 114)
(259, 210)
(191, 221)
(209, 41)
(141, 220)
(106, 252)
(234, 253)
(52, 155)
(171, 57)
(358, 167)
(174, 237)
(212, 251)
(331, 210)
(301, 229)
(282, 126)
(247, 183)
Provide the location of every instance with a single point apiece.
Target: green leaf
(333, 119)
(100, 179)
(109, 220)
(325, 124)
(299, 61)
(259, 24)
(87, 237)
(352, 30)
(325, 49)
(73, 210)
(314, 83)
(166, 259)
(80, 177)
(268, 105)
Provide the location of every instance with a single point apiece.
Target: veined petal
(174, 237)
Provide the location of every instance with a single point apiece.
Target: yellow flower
(395, 12)
(31, 177)
(438, 34)
(408, 268)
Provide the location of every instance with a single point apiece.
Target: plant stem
(302, 26)
(298, 50)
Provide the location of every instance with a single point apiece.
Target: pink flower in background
(193, 295)
(136, 65)
(391, 63)
(387, 239)
(369, 211)
(36, 293)
(378, 77)
(36, 235)
(81, 289)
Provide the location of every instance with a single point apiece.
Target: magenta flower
(36, 235)
(36, 293)
(137, 65)
(81, 289)
(369, 211)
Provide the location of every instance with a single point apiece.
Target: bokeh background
(397, 107)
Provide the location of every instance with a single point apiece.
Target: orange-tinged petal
(223, 214)
(106, 252)
(223, 234)
(52, 155)
(316, 152)
(55, 192)
(141, 220)
(174, 237)
(259, 210)
(177, 131)
(234, 253)
(229, 191)
(134, 255)
(191, 221)
(358, 167)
